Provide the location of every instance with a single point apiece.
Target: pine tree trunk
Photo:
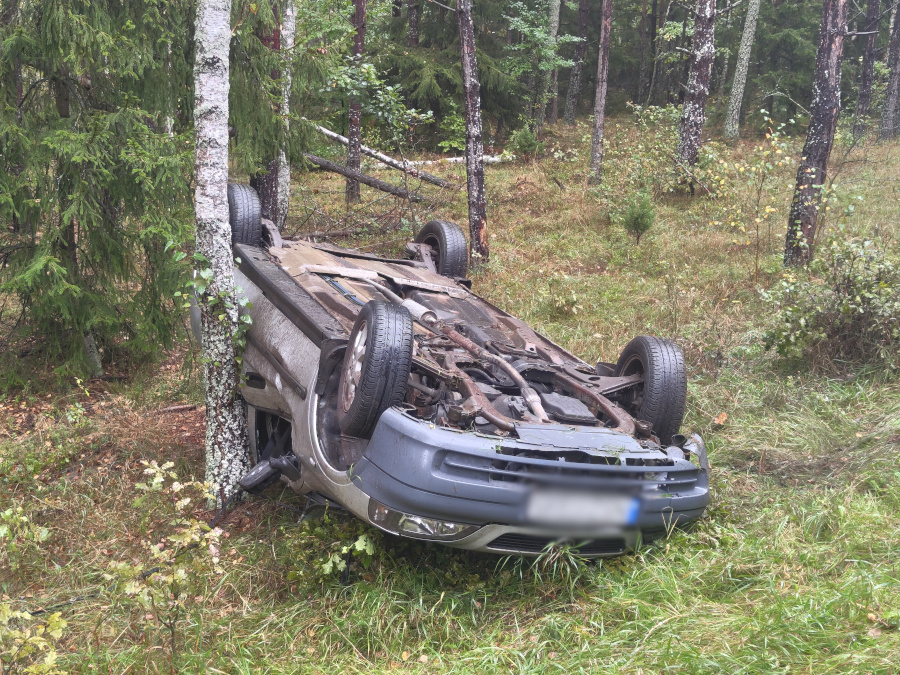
(575, 78)
(553, 114)
(227, 458)
(733, 117)
(867, 76)
(288, 31)
(596, 172)
(826, 106)
(355, 117)
(267, 183)
(693, 115)
(889, 114)
(414, 10)
(474, 144)
(642, 68)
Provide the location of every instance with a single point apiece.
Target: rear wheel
(376, 366)
(447, 240)
(661, 398)
(244, 214)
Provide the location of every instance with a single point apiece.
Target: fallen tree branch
(385, 159)
(362, 178)
(176, 408)
(327, 233)
(488, 159)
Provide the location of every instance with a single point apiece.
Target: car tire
(662, 398)
(376, 366)
(451, 252)
(245, 215)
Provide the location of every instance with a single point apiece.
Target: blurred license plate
(567, 508)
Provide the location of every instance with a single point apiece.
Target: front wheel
(661, 398)
(376, 366)
(448, 243)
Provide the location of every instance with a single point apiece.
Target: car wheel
(447, 240)
(376, 366)
(661, 398)
(244, 214)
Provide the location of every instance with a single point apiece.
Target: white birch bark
(283, 188)
(693, 114)
(227, 458)
(733, 117)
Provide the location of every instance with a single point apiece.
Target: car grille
(574, 468)
(523, 543)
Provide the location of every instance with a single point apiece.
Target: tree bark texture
(572, 95)
(288, 31)
(826, 106)
(867, 75)
(413, 13)
(693, 114)
(642, 67)
(553, 113)
(889, 114)
(596, 172)
(227, 458)
(733, 116)
(474, 143)
(355, 120)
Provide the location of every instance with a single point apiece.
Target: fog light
(420, 527)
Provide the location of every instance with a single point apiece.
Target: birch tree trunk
(867, 76)
(596, 172)
(474, 144)
(575, 78)
(412, 35)
(693, 114)
(826, 106)
(733, 116)
(288, 30)
(355, 118)
(227, 458)
(889, 114)
(553, 114)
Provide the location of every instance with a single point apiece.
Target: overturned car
(387, 386)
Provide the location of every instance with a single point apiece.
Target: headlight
(419, 527)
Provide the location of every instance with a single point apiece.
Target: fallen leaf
(720, 418)
(405, 656)
(423, 659)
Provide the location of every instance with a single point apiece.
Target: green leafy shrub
(28, 645)
(639, 217)
(848, 308)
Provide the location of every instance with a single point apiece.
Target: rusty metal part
(530, 395)
(485, 409)
(623, 420)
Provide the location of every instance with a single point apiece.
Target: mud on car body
(387, 386)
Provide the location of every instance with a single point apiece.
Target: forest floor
(793, 569)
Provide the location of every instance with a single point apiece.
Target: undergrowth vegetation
(794, 568)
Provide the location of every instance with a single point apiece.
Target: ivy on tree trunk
(596, 172)
(693, 114)
(826, 106)
(227, 458)
(474, 144)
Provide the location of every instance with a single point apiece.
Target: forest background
(793, 372)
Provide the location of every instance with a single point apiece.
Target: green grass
(794, 569)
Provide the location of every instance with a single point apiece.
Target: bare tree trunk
(288, 30)
(575, 78)
(693, 115)
(414, 10)
(889, 114)
(474, 145)
(642, 68)
(227, 458)
(355, 118)
(733, 117)
(826, 106)
(553, 115)
(867, 76)
(266, 183)
(596, 173)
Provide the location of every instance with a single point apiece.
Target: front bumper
(491, 483)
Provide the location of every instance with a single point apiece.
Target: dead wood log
(363, 178)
